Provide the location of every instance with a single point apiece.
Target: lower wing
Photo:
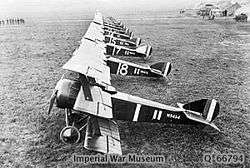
(102, 135)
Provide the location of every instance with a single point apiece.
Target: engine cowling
(67, 93)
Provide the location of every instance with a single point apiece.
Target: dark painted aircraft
(93, 105)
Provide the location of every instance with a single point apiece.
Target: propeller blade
(52, 100)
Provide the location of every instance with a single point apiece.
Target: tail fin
(138, 41)
(123, 25)
(131, 34)
(203, 111)
(127, 30)
(145, 50)
(163, 67)
(148, 52)
(208, 108)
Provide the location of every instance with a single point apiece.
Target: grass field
(210, 60)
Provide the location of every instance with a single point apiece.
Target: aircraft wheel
(70, 134)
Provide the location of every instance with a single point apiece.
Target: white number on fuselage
(122, 69)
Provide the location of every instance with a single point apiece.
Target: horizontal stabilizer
(163, 68)
(198, 118)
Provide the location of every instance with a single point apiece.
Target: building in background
(228, 8)
(218, 8)
(244, 10)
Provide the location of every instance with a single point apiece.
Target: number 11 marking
(137, 71)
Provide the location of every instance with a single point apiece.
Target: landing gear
(70, 134)
(75, 123)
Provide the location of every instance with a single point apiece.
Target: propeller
(52, 100)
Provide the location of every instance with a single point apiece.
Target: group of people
(210, 15)
(15, 21)
(207, 13)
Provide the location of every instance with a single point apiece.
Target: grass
(210, 60)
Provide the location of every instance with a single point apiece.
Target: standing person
(203, 14)
(211, 15)
(225, 13)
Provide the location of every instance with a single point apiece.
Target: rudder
(145, 51)
(209, 108)
(138, 41)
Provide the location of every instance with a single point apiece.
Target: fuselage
(123, 108)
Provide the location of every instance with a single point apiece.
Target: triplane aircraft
(117, 33)
(120, 41)
(96, 33)
(92, 104)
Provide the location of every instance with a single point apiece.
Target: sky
(26, 8)
(36, 7)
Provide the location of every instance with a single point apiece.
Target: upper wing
(89, 60)
(95, 32)
(102, 135)
(98, 18)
